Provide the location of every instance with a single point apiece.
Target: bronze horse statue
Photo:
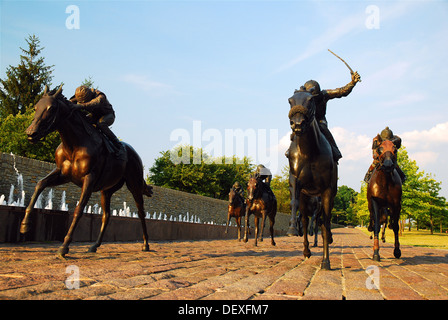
(312, 171)
(236, 209)
(384, 193)
(262, 204)
(84, 159)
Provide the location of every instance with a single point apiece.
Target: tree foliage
(14, 140)
(201, 174)
(24, 84)
(19, 92)
(280, 187)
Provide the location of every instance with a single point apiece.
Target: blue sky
(228, 65)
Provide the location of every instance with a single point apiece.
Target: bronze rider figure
(100, 111)
(386, 134)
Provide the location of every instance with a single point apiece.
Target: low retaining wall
(49, 225)
(166, 201)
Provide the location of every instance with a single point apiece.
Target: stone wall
(165, 201)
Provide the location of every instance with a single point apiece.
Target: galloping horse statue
(384, 197)
(312, 171)
(236, 209)
(83, 158)
(262, 204)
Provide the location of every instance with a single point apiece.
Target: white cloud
(353, 147)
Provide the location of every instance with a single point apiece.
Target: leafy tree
(24, 84)
(280, 187)
(14, 140)
(209, 177)
(342, 210)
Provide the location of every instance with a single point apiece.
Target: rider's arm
(344, 91)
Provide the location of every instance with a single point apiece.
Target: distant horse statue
(262, 204)
(236, 209)
(384, 197)
(84, 159)
(312, 171)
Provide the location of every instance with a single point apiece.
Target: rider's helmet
(312, 84)
(386, 134)
(83, 94)
(236, 185)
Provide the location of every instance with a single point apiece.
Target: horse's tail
(147, 189)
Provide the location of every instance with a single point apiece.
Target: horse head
(253, 188)
(232, 197)
(387, 155)
(45, 117)
(302, 111)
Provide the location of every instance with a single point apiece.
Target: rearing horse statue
(82, 158)
(312, 171)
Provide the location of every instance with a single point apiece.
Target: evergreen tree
(24, 84)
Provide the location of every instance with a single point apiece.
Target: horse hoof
(93, 248)
(307, 253)
(145, 247)
(62, 252)
(325, 265)
(24, 228)
(273, 243)
(292, 232)
(376, 257)
(397, 253)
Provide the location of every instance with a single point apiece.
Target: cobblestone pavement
(224, 270)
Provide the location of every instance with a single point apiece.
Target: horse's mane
(87, 126)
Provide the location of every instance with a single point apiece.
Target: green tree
(19, 92)
(212, 177)
(280, 187)
(14, 140)
(342, 209)
(360, 206)
(24, 84)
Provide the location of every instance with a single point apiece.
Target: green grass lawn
(421, 238)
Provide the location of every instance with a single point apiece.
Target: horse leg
(246, 222)
(271, 225)
(238, 224)
(54, 178)
(316, 232)
(327, 237)
(396, 228)
(228, 221)
(306, 244)
(376, 230)
(86, 192)
(105, 204)
(293, 229)
(256, 229)
(138, 197)
(263, 221)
